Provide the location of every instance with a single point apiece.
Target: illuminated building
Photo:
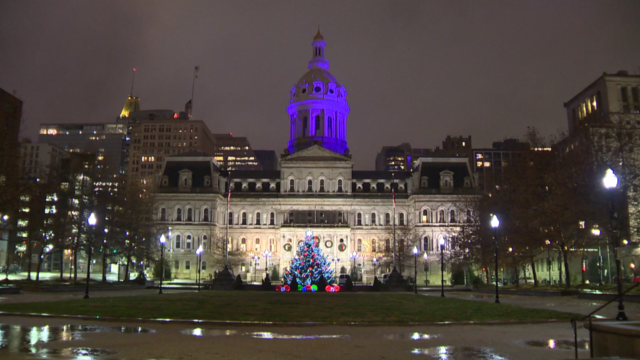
(488, 164)
(39, 160)
(235, 153)
(315, 188)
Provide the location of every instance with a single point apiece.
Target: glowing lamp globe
(610, 180)
(495, 223)
(162, 239)
(92, 220)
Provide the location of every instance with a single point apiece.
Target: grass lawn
(338, 308)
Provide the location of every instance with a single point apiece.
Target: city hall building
(351, 212)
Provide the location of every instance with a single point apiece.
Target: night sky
(415, 71)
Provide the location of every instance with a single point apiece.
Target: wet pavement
(36, 338)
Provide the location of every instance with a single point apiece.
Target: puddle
(458, 353)
(558, 344)
(411, 336)
(270, 335)
(77, 353)
(208, 332)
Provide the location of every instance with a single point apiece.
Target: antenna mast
(133, 76)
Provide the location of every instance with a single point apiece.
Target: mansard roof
(432, 170)
(379, 175)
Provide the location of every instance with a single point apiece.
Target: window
(205, 240)
(321, 185)
(189, 214)
(387, 219)
(272, 245)
(292, 186)
(425, 216)
(304, 123)
(272, 218)
(243, 244)
(426, 244)
(290, 217)
(188, 242)
(258, 216)
(401, 219)
(256, 246)
(178, 242)
(244, 218)
(359, 219)
(340, 218)
(452, 216)
(177, 265)
(339, 185)
(330, 126)
(309, 185)
(187, 265)
(163, 214)
(441, 216)
(204, 265)
(374, 245)
(230, 219)
(387, 245)
(205, 215)
(179, 214)
(359, 249)
(373, 219)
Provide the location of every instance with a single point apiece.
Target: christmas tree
(309, 264)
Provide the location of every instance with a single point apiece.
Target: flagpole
(393, 191)
(226, 239)
(193, 87)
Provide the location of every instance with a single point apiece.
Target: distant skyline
(415, 71)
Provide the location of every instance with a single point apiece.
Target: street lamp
(415, 268)
(353, 257)
(495, 223)
(548, 243)
(441, 266)
(162, 241)
(596, 232)
(610, 182)
(335, 264)
(375, 262)
(256, 260)
(267, 255)
(199, 255)
(92, 223)
(426, 261)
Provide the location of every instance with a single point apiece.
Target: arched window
(469, 217)
(272, 218)
(373, 219)
(339, 185)
(387, 219)
(230, 219)
(359, 249)
(374, 245)
(179, 214)
(292, 185)
(178, 241)
(185, 183)
(291, 217)
(256, 245)
(272, 245)
(258, 218)
(204, 265)
(359, 219)
(452, 216)
(189, 214)
(330, 126)
(188, 242)
(309, 185)
(244, 218)
(340, 218)
(441, 217)
(205, 215)
(426, 244)
(205, 241)
(425, 216)
(321, 185)
(387, 245)
(163, 214)
(243, 244)
(401, 219)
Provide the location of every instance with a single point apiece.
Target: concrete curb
(267, 323)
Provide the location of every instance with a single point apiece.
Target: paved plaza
(59, 338)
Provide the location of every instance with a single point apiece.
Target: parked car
(343, 279)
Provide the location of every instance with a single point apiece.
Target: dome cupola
(318, 106)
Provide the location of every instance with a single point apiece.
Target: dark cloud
(415, 71)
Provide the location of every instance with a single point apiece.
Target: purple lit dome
(318, 107)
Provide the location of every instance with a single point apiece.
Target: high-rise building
(39, 160)
(488, 164)
(268, 159)
(235, 153)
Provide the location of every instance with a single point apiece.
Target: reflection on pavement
(458, 353)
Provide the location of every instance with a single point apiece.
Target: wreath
(328, 244)
(287, 247)
(342, 247)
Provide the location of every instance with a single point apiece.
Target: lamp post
(162, 241)
(267, 255)
(415, 269)
(548, 243)
(92, 223)
(610, 182)
(256, 260)
(199, 255)
(375, 262)
(596, 232)
(495, 223)
(353, 257)
(335, 264)
(441, 266)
